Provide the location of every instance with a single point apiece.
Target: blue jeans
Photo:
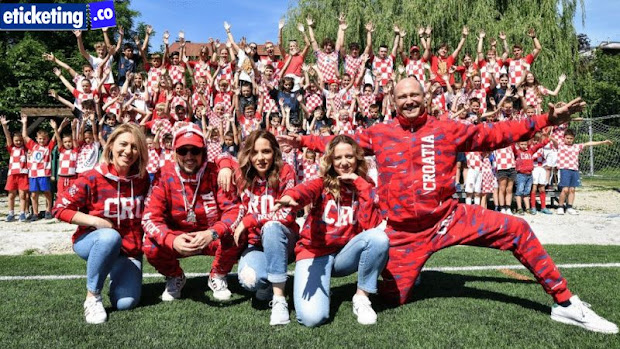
(260, 266)
(101, 250)
(524, 184)
(366, 253)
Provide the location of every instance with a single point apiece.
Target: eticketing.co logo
(57, 16)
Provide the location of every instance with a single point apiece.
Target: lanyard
(191, 215)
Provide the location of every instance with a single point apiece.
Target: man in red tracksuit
(187, 213)
(416, 157)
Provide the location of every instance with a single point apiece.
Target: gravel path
(598, 224)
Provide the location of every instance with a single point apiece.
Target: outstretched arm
(5, 128)
(396, 40)
(67, 84)
(559, 86)
(537, 47)
(315, 45)
(464, 34)
(50, 57)
(66, 103)
(24, 120)
(78, 35)
(370, 28)
(479, 48)
(595, 143)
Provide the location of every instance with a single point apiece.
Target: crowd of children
(230, 90)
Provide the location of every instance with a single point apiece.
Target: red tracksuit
(333, 222)
(100, 192)
(416, 161)
(165, 217)
(523, 159)
(258, 200)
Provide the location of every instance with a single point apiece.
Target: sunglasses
(253, 47)
(193, 150)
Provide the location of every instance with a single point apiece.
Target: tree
(599, 84)
(552, 19)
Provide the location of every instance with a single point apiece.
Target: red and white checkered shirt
(365, 102)
(328, 64)
(346, 127)
(336, 98)
(177, 100)
(534, 99)
(201, 70)
(17, 161)
(488, 70)
(40, 161)
(474, 160)
(313, 100)
(114, 108)
(77, 81)
(310, 170)
(383, 69)
(352, 65)
(539, 157)
(439, 102)
(214, 149)
(88, 156)
(153, 76)
(488, 179)
(215, 120)
(291, 158)
(346, 96)
(415, 67)
(81, 97)
(504, 158)
(153, 165)
(568, 156)
(166, 156)
(177, 73)
(206, 93)
(225, 98)
(269, 104)
(517, 67)
(481, 94)
(67, 162)
(558, 133)
(225, 73)
(250, 124)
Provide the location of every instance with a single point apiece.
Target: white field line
(191, 275)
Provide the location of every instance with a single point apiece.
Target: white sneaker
(94, 312)
(219, 286)
(363, 309)
(572, 211)
(503, 211)
(279, 311)
(580, 314)
(174, 285)
(560, 211)
(509, 211)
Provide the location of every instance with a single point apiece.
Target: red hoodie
(100, 192)
(416, 161)
(165, 215)
(524, 159)
(333, 222)
(258, 201)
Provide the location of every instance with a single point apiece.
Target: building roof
(192, 49)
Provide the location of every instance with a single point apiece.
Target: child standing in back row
(568, 165)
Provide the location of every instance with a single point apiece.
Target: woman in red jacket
(262, 177)
(106, 203)
(340, 235)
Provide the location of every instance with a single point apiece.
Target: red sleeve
(499, 62)
(538, 146)
(529, 58)
(483, 62)
(406, 61)
(155, 212)
(460, 68)
(307, 192)
(368, 214)
(75, 93)
(507, 62)
(147, 67)
(51, 144)
(450, 61)
(30, 144)
(73, 200)
(490, 136)
(231, 212)
(318, 143)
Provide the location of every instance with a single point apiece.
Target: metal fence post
(591, 148)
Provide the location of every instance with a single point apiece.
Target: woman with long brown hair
(261, 179)
(340, 235)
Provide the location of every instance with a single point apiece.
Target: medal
(191, 216)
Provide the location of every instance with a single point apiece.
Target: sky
(258, 19)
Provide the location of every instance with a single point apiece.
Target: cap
(414, 48)
(189, 135)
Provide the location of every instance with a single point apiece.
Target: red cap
(414, 48)
(189, 135)
(333, 81)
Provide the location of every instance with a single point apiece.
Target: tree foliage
(599, 83)
(552, 19)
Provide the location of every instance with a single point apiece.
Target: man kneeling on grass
(184, 200)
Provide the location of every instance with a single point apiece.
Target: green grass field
(463, 309)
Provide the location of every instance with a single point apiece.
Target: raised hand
(48, 57)
(493, 42)
(465, 31)
(166, 37)
(561, 115)
(281, 23)
(121, 31)
(136, 40)
(226, 26)
(370, 27)
(300, 27)
(502, 36)
(56, 71)
(23, 118)
(309, 21)
(149, 29)
(428, 30)
(401, 69)
(77, 33)
(305, 67)
(52, 93)
(396, 29)
(3, 120)
(482, 34)
(562, 78)
(531, 33)
(53, 124)
(420, 31)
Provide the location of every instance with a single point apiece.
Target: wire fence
(600, 161)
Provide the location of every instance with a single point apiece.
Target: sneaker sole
(568, 321)
(96, 322)
(222, 298)
(167, 297)
(280, 323)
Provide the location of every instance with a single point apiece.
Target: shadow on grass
(448, 285)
